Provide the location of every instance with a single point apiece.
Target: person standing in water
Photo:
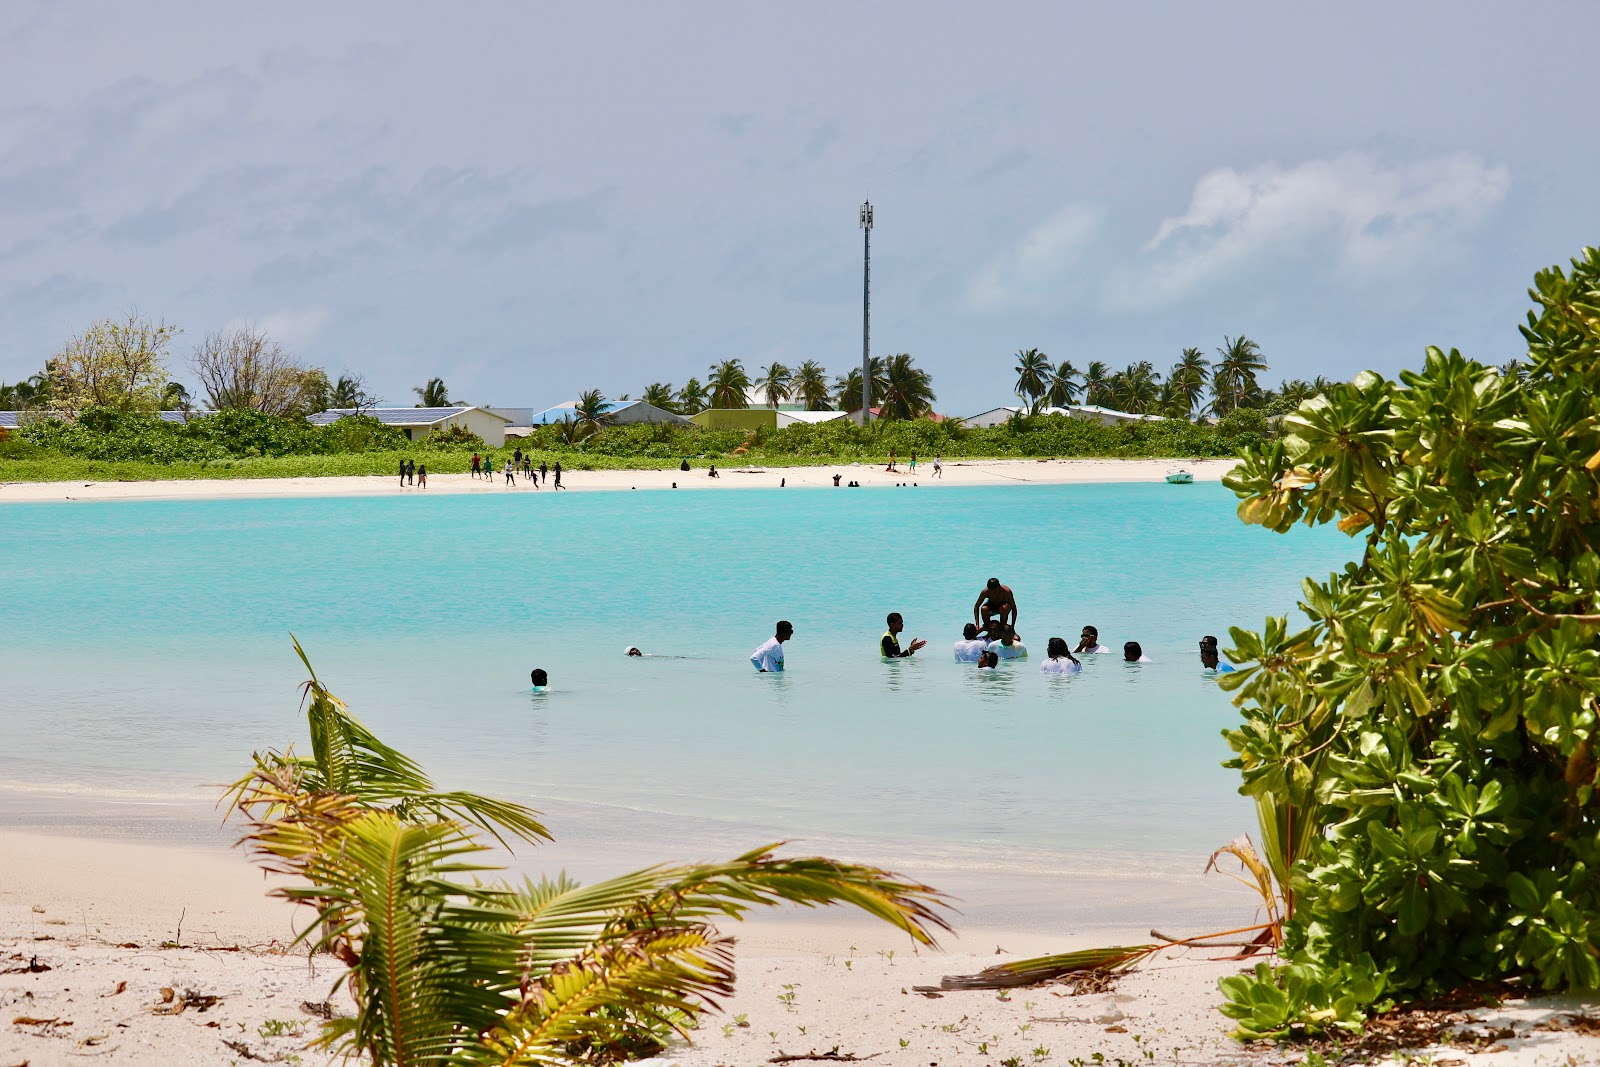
(539, 679)
(768, 659)
(1089, 641)
(889, 643)
(1060, 659)
(971, 646)
(1209, 658)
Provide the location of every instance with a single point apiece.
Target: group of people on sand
(411, 474)
(483, 467)
(893, 468)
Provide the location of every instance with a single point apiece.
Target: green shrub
(1436, 723)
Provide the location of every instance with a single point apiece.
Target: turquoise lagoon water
(147, 653)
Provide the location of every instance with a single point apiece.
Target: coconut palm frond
(1015, 973)
(349, 759)
(380, 888)
(615, 999)
(560, 918)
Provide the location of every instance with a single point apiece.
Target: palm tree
(1096, 384)
(810, 386)
(1187, 382)
(692, 397)
(444, 966)
(1062, 388)
(774, 382)
(908, 390)
(432, 395)
(1137, 389)
(174, 397)
(590, 410)
(1033, 370)
(1233, 383)
(659, 394)
(350, 391)
(729, 385)
(847, 388)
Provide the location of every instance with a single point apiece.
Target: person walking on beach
(517, 455)
(477, 464)
(995, 599)
(913, 463)
(889, 643)
(402, 472)
(511, 473)
(544, 472)
(768, 659)
(1060, 659)
(890, 467)
(938, 468)
(557, 473)
(488, 468)
(422, 476)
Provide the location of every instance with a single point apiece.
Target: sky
(530, 199)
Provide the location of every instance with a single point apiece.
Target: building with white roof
(420, 422)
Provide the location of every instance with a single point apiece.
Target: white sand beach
(955, 473)
(93, 933)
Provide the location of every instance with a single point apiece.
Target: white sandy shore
(103, 917)
(964, 473)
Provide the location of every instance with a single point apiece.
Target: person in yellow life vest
(889, 644)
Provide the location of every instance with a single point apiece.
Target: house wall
(489, 427)
(736, 419)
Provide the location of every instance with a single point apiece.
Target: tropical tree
(1033, 373)
(1136, 389)
(1062, 388)
(810, 386)
(1096, 384)
(908, 390)
(729, 385)
(774, 383)
(116, 363)
(590, 410)
(692, 397)
(847, 387)
(432, 395)
(350, 391)
(244, 369)
(659, 394)
(1188, 379)
(1233, 382)
(174, 397)
(447, 966)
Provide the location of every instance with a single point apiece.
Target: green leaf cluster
(1429, 738)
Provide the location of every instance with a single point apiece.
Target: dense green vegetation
(112, 445)
(1424, 752)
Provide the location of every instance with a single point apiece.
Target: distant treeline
(99, 434)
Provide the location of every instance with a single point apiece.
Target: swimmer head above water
(539, 678)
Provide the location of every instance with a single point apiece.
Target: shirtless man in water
(995, 600)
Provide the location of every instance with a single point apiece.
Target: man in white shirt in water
(1089, 641)
(1008, 647)
(768, 659)
(971, 646)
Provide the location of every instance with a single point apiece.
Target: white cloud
(1362, 216)
(1039, 268)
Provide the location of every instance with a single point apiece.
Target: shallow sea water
(146, 653)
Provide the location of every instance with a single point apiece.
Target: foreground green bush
(1430, 737)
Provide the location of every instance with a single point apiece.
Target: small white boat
(1179, 477)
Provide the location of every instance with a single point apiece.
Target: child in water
(540, 679)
